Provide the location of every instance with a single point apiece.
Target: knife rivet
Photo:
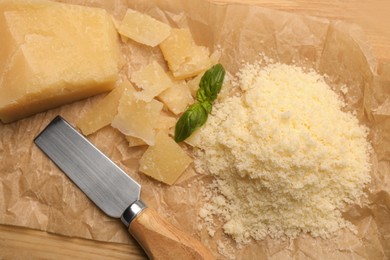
(132, 211)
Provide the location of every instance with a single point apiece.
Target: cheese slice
(164, 123)
(143, 28)
(137, 118)
(103, 112)
(165, 161)
(193, 83)
(185, 58)
(52, 54)
(134, 141)
(152, 79)
(177, 98)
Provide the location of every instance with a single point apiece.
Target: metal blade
(109, 187)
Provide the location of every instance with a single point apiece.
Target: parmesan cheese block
(165, 161)
(137, 118)
(185, 58)
(152, 79)
(143, 28)
(102, 113)
(52, 54)
(177, 98)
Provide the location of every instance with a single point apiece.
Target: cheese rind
(53, 54)
(165, 161)
(143, 28)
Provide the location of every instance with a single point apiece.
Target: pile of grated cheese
(285, 157)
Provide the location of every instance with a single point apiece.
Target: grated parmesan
(285, 157)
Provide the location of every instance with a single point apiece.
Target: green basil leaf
(207, 106)
(210, 84)
(195, 116)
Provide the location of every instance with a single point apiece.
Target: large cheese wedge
(185, 58)
(137, 118)
(52, 54)
(143, 28)
(165, 161)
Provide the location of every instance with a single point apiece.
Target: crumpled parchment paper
(36, 194)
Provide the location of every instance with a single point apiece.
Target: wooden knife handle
(162, 240)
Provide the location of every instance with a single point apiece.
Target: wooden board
(23, 243)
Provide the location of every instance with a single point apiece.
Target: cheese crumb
(285, 157)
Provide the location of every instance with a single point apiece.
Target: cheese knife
(115, 193)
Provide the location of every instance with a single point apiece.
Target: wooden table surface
(22, 243)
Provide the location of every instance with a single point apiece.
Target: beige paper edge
(32, 186)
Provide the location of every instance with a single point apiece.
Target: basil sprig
(210, 84)
(196, 115)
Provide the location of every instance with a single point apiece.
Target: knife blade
(115, 193)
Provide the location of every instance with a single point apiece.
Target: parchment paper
(35, 194)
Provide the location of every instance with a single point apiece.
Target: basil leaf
(207, 106)
(210, 84)
(195, 116)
